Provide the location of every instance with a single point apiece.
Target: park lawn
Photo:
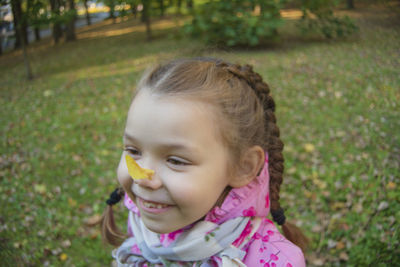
(337, 107)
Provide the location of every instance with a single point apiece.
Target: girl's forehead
(147, 100)
(155, 113)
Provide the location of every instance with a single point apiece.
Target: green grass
(338, 110)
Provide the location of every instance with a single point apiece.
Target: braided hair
(274, 147)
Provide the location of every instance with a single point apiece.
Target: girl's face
(178, 139)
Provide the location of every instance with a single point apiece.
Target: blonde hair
(246, 113)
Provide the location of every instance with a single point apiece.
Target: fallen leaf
(343, 256)
(309, 147)
(39, 188)
(56, 251)
(331, 243)
(318, 262)
(391, 185)
(47, 93)
(383, 205)
(66, 243)
(93, 219)
(63, 257)
(72, 202)
(338, 205)
(340, 245)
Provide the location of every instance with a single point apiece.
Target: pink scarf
(261, 242)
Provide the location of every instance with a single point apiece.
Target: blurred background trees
(220, 22)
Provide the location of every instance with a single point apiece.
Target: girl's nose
(154, 183)
(141, 168)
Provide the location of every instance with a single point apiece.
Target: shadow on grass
(107, 45)
(102, 44)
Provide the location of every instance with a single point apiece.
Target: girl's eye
(132, 151)
(177, 162)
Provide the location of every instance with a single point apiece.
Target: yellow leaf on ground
(340, 245)
(338, 205)
(72, 202)
(309, 147)
(391, 185)
(63, 257)
(135, 171)
(39, 188)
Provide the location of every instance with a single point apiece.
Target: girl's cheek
(123, 176)
(185, 194)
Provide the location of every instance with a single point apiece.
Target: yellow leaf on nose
(135, 171)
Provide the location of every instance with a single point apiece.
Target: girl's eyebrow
(129, 137)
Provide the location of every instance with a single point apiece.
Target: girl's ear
(251, 163)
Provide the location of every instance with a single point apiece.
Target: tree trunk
(134, 10)
(350, 4)
(189, 4)
(19, 23)
(37, 33)
(20, 30)
(112, 10)
(88, 22)
(146, 17)
(57, 31)
(179, 4)
(70, 29)
(143, 15)
(162, 9)
(27, 64)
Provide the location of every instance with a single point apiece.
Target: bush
(234, 23)
(318, 17)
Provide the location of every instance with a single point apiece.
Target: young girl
(207, 131)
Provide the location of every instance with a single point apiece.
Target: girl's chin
(165, 227)
(158, 228)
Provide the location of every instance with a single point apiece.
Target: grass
(338, 110)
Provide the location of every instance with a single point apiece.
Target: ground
(337, 108)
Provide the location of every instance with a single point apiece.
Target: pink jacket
(261, 240)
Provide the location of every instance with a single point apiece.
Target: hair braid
(109, 230)
(274, 148)
(274, 145)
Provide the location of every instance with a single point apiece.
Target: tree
(179, 6)
(71, 18)
(134, 5)
(146, 17)
(56, 20)
(162, 7)
(2, 23)
(189, 4)
(37, 16)
(350, 4)
(20, 29)
(85, 4)
(20, 24)
(111, 5)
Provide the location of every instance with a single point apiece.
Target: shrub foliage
(318, 17)
(236, 22)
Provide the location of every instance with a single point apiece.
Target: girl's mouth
(152, 207)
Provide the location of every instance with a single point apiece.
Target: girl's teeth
(153, 205)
